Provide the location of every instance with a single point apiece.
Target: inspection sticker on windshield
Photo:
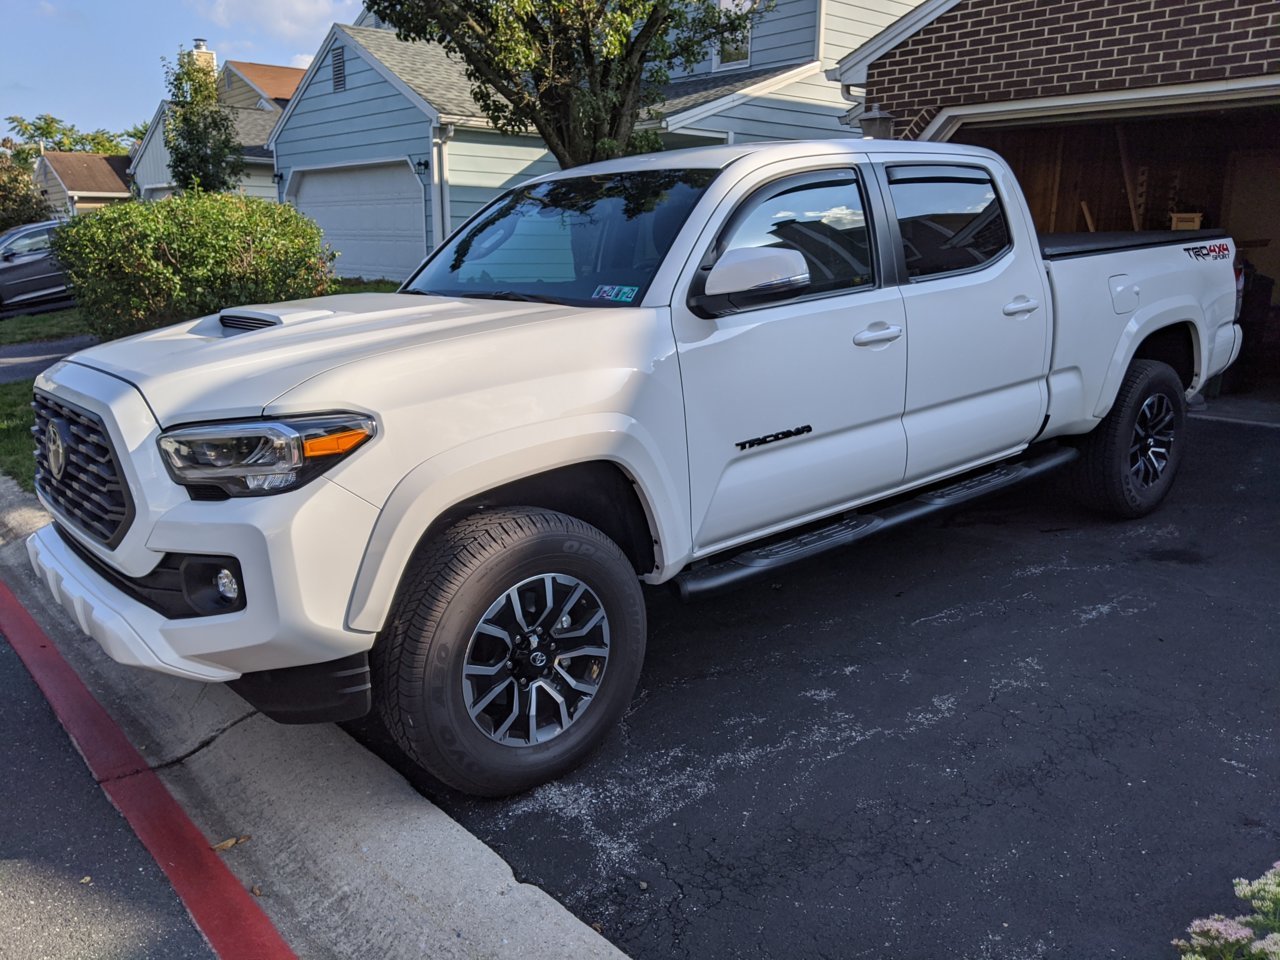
(610, 292)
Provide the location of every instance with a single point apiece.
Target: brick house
(1114, 115)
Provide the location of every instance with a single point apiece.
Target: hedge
(137, 266)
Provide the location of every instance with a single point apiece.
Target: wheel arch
(1171, 336)
(1175, 345)
(626, 494)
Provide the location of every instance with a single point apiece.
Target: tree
(137, 133)
(51, 133)
(199, 131)
(19, 202)
(580, 73)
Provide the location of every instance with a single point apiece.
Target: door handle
(877, 334)
(1021, 305)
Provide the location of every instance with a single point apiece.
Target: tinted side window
(950, 218)
(824, 220)
(32, 242)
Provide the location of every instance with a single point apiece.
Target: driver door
(794, 407)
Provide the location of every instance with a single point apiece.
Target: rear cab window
(950, 219)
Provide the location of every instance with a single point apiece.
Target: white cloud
(302, 60)
(294, 20)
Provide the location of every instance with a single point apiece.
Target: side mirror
(7, 256)
(749, 276)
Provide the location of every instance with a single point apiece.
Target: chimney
(204, 55)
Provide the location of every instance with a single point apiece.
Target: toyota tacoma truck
(691, 367)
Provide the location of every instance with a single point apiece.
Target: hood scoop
(242, 321)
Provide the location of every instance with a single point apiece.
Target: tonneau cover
(1056, 246)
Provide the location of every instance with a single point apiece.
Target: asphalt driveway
(1017, 732)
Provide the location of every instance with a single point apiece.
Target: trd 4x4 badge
(1209, 251)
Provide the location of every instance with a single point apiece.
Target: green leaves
(579, 72)
(19, 202)
(199, 131)
(58, 135)
(136, 266)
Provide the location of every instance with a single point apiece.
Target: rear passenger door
(977, 313)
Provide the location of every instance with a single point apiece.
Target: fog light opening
(228, 586)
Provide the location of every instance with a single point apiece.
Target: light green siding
(482, 164)
(48, 185)
(234, 92)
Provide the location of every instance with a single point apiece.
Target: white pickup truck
(694, 367)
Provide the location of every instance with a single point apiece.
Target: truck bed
(1061, 246)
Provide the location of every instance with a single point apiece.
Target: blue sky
(96, 63)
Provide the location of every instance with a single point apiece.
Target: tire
(1128, 463)
(487, 695)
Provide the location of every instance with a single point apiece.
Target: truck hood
(235, 363)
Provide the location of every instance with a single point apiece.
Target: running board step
(774, 556)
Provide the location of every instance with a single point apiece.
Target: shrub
(19, 202)
(137, 266)
(1252, 937)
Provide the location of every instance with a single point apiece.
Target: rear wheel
(514, 647)
(1129, 461)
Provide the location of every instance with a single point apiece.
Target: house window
(732, 51)
(339, 59)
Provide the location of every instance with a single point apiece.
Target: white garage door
(372, 216)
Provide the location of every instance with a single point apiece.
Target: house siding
(786, 34)
(369, 120)
(992, 51)
(50, 187)
(238, 93)
(851, 23)
(482, 164)
(151, 166)
(807, 109)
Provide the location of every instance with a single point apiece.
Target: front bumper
(299, 559)
(298, 552)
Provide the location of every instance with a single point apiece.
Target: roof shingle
(278, 83)
(90, 173)
(424, 67)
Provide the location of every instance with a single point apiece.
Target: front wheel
(1129, 461)
(514, 647)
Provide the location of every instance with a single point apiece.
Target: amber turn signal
(334, 444)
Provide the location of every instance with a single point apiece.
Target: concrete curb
(351, 861)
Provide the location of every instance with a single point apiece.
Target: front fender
(466, 471)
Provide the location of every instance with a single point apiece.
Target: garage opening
(1216, 169)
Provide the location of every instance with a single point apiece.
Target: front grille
(91, 493)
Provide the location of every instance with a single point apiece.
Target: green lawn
(42, 326)
(16, 445)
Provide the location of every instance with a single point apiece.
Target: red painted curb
(233, 923)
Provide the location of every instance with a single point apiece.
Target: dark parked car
(31, 279)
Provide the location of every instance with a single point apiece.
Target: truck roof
(718, 156)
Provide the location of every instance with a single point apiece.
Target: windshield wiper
(512, 295)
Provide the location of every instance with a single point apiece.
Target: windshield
(584, 241)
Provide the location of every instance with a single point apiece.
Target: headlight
(259, 457)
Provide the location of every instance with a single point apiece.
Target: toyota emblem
(56, 448)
